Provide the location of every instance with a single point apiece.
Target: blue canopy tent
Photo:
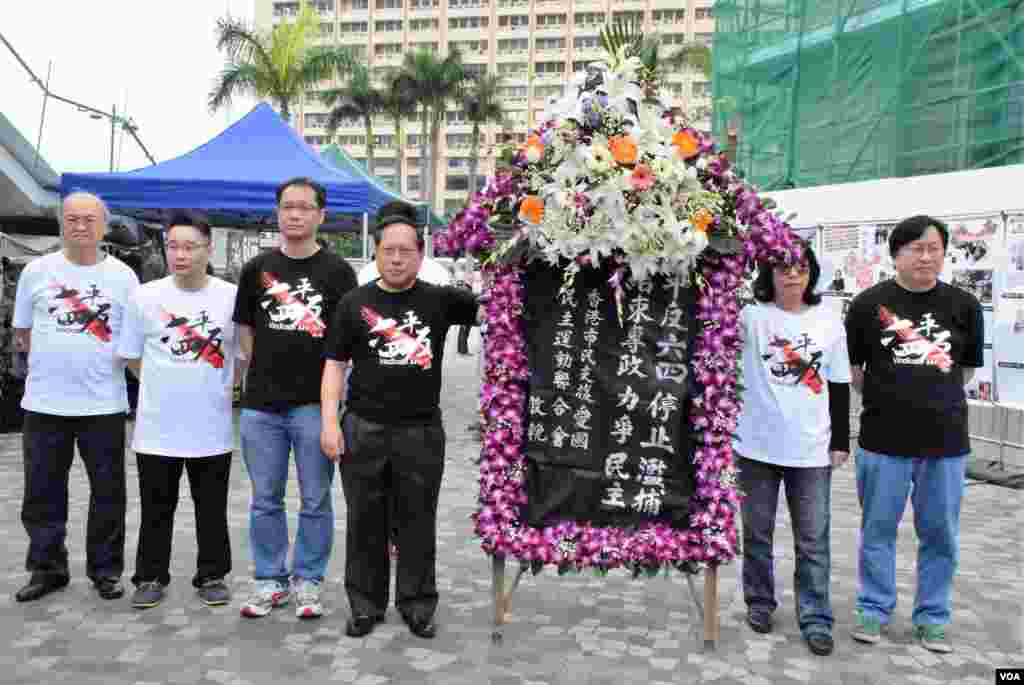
(236, 172)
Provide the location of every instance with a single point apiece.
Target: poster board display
(855, 257)
(1008, 343)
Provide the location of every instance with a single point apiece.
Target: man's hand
(332, 442)
(838, 458)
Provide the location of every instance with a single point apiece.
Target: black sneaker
(148, 595)
(759, 621)
(109, 588)
(820, 643)
(214, 593)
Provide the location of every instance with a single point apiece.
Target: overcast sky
(155, 57)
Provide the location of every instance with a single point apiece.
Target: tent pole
(366, 236)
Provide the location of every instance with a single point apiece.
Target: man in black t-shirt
(914, 342)
(285, 298)
(393, 332)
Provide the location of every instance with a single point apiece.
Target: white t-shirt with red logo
(75, 313)
(187, 343)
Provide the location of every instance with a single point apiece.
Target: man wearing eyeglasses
(914, 343)
(180, 340)
(285, 298)
(68, 313)
(391, 443)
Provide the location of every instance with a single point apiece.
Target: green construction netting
(832, 91)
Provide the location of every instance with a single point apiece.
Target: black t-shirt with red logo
(396, 343)
(914, 347)
(288, 303)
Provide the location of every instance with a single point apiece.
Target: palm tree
(482, 105)
(280, 65)
(696, 56)
(358, 98)
(435, 81)
(399, 103)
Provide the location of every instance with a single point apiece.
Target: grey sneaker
(148, 595)
(867, 629)
(214, 593)
(307, 600)
(268, 594)
(933, 638)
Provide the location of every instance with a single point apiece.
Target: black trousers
(208, 479)
(463, 343)
(391, 476)
(49, 447)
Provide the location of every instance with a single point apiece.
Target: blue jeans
(883, 483)
(267, 440)
(809, 496)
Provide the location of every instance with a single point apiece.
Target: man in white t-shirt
(179, 330)
(67, 316)
(430, 271)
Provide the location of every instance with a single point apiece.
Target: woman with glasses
(793, 430)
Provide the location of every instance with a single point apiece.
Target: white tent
(960, 193)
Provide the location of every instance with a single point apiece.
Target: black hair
(912, 228)
(764, 284)
(397, 212)
(188, 217)
(305, 182)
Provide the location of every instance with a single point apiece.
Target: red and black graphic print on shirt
(794, 362)
(193, 340)
(292, 307)
(85, 312)
(397, 344)
(925, 343)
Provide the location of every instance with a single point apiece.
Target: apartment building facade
(534, 45)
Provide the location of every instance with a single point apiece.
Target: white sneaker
(307, 599)
(267, 595)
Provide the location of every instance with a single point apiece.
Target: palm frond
(234, 79)
(618, 35)
(696, 56)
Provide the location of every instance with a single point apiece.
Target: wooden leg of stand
(498, 587)
(711, 607)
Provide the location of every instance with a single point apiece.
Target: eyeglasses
(185, 248)
(801, 269)
(404, 252)
(305, 209)
(86, 220)
(922, 250)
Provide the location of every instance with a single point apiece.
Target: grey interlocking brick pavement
(569, 630)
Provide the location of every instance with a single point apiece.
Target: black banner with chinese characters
(608, 438)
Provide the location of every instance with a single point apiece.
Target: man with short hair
(285, 298)
(393, 331)
(914, 343)
(68, 313)
(179, 330)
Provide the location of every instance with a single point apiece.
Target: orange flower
(534, 149)
(623, 149)
(686, 143)
(531, 210)
(701, 220)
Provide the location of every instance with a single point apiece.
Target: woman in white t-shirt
(794, 429)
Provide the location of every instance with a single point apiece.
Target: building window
(423, 4)
(513, 68)
(387, 49)
(389, 4)
(468, 46)
(358, 51)
(424, 24)
(315, 140)
(466, 4)
(550, 20)
(384, 141)
(412, 184)
(549, 91)
(550, 44)
(326, 30)
(701, 89)
(457, 139)
(513, 45)
(702, 13)
(628, 17)
(581, 65)
(431, 46)
(467, 22)
(352, 140)
(455, 116)
(456, 183)
(412, 140)
(458, 162)
(353, 27)
(589, 19)
(286, 9)
(323, 6)
(673, 39)
(514, 21)
(668, 16)
(512, 91)
(505, 138)
(549, 68)
(388, 25)
(586, 42)
(316, 120)
(360, 4)
(474, 70)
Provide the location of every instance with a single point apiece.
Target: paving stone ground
(569, 630)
